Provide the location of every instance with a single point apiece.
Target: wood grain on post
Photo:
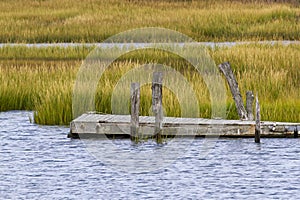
(157, 103)
(257, 122)
(135, 104)
(234, 88)
(249, 105)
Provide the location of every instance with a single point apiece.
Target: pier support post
(157, 103)
(135, 104)
(234, 88)
(257, 122)
(249, 105)
(296, 132)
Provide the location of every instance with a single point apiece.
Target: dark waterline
(40, 162)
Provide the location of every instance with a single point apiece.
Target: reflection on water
(38, 162)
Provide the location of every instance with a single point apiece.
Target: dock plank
(92, 123)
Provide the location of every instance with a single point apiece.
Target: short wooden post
(234, 88)
(249, 105)
(157, 103)
(296, 132)
(135, 104)
(257, 122)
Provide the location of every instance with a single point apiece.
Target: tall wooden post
(234, 88)
(135, 104)
(257, 122)
(249, 105)
(157, 103)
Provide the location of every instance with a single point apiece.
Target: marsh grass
(22, 52)
(46, 86)
(273, 72)
(94, 21)
(43, 86)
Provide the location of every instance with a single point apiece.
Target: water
(207, 44)
(40, 162)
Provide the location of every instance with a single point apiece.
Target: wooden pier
(138, 127)
(115, 126)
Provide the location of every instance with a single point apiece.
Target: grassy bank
(94, 21)
(45, 85)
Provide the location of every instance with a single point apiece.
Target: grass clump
(43, 86)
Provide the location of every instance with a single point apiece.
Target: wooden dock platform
(92, 124)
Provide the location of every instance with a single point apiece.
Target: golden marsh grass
(94, 21)
(45, 86)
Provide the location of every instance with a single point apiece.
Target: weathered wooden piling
(249, 105)
(296, 132)
(135, 105)
(157, 103)
(234, 88)
(257, 122)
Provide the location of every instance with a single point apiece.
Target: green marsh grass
(43, 86)
(46, 85)
(94, 21)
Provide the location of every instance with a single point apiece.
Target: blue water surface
(40, 162)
